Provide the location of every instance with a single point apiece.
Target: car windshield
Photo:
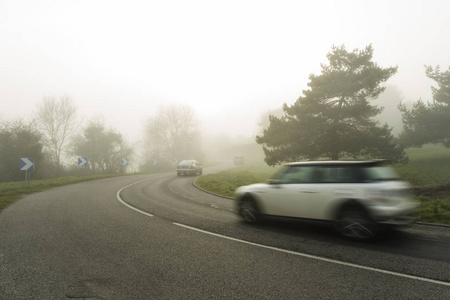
(380, 173)
(278, 173)
(186, 162)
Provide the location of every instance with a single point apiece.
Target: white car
(359, 197)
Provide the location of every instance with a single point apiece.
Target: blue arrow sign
(124, 161)
(155, 162)
(82, 161)
(27, 164)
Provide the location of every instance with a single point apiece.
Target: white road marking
(317, 257)
(128, 205)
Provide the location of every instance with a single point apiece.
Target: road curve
(158, 237)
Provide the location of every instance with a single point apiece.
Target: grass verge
(12, 191)
(434, 210)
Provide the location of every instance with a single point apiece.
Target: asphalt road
(158, 237)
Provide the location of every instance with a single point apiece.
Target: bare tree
(171, 133)
(58, 122)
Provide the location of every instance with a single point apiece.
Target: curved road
(158, 237)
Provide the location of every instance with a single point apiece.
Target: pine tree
(334, 118)
(429, 122)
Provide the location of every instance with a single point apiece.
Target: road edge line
(128, 205)
(316, 257)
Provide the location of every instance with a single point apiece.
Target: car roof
(339, 163)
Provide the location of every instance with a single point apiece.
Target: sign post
(82, 162)
(27, 164)
(124, 164)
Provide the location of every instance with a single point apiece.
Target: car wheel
(355, 224)
(249, 211)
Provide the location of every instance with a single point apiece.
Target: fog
(231, 61)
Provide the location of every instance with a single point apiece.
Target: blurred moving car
(189, 167)
(239, 160)
(360, 198)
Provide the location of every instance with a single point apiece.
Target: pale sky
(231, 61)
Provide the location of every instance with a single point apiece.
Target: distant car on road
(189, 167)
(239, 160)
(360, 198)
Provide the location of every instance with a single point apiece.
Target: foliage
(334, 117)
(429, 122)
(18, 140)
(57, 121)
(391, 115)
(104, 148)
(442, 93)
(264, 120)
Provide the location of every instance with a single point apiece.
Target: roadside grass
(434, 210)
(429, 167)
(12, 191)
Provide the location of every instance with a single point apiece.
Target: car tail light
(192, 167)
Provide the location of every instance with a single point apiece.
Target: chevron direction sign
(27, 164)
(124, 161)
(154, 162)
(82, 161)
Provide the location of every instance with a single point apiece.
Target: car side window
(340, 174)
(297, 174)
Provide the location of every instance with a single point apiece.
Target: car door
(293, 193)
